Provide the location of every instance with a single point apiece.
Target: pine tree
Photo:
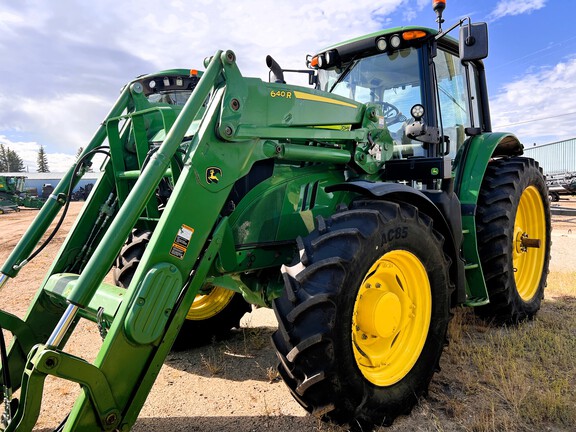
(15, 162)
(3, 159)
(42, 161)
(10, 161)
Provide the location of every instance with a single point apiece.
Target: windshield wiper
(343, 74)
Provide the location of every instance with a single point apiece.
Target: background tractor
(12, 194)
(361, 210)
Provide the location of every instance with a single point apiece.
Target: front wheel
(513, 229)
(363, 320)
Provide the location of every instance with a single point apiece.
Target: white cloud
(28, 151)
(253, 28)
(539, 106)
(63, 118)
(60, 162)
(69, 120)
(516, 7)
(69, 58)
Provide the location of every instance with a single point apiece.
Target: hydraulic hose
(66, 206)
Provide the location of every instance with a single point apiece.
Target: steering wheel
(391, 114)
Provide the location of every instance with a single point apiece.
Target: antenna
(439, 6)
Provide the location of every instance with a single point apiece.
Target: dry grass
(213, 361)
(493, 379)
(520, 378)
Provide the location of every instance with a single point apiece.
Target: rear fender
(469, 170)
(473, 158)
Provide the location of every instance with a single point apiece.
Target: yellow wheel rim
(208, 305)
(391, 317)
(529, 249)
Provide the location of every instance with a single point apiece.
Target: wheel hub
(379, 313)
(210, 304)
(391, 318)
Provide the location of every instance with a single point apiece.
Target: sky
(63, 63)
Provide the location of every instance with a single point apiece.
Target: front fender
(433, 205)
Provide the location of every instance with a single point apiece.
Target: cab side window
(453, 98)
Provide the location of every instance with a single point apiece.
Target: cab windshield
(179, 97)
(392, 80)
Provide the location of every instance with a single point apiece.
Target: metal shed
(555, 158)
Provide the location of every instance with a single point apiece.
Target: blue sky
(64, 62)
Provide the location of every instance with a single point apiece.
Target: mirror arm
(458, 24)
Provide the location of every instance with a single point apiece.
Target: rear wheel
(213, 313)
(363, 321)
(513, 229)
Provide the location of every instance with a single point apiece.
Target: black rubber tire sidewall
(504, 182)
(354, 398)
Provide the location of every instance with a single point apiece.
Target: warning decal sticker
(181, 241)
(177, 251)
(184, 235)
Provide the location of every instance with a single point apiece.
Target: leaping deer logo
(213, 175)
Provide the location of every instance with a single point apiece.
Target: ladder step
(476, 302)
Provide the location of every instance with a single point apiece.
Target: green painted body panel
(469, 168)
(151, 309)
(291, 188)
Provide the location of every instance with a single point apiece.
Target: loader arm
(235, 122)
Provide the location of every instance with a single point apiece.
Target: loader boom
(187, 240)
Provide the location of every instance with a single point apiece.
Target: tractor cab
(408, 67)
(172, 87)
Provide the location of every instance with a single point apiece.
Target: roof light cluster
(173, 82)
(325, 60)
(383, 43)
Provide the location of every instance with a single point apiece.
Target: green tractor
(361, 210)
(12, 194)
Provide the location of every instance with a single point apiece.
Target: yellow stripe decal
(311, 97)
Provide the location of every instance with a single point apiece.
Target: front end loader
(361, 210)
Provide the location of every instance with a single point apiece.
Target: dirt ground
(231, 385)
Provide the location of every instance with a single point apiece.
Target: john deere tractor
(362, 210)
(12, 194)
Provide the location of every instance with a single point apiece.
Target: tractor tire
(553, 196)
(513, 230)
(212, 314)
(363, 320)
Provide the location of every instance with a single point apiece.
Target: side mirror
(473, 41)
